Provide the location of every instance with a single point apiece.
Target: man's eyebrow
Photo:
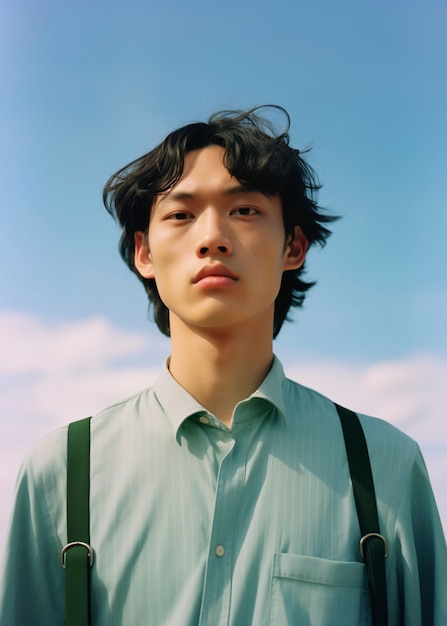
(187, 195)
(176, 195)
(233, 191)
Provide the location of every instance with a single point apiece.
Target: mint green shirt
(194, 523)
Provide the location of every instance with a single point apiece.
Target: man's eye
(180, 215)
(244, 210)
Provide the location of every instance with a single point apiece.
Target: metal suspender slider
(369, 536)
(75, 544)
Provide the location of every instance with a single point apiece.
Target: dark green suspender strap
(372, 543)
(77, 555)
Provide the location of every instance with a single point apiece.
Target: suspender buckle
(74, 544)
(368, 536)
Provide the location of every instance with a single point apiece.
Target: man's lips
(214, 270)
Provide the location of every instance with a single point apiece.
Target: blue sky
(89, 86)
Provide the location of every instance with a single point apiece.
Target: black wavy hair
(255, 155)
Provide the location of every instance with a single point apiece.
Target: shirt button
(204, 420)
(219, 550)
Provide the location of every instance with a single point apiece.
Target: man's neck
(220, 368)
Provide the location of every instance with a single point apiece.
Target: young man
(222, 494)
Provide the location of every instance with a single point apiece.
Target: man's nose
(213, 237)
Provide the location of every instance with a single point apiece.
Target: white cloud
(54, 375)
(31, 347)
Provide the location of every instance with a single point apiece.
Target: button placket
(216, 599)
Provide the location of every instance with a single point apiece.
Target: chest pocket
(310, 591)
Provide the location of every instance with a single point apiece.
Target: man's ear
(142, 257)
(296, 249)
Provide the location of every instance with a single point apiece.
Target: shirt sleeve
(32, 580)
(421, 555)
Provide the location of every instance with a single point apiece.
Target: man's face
(217, 250)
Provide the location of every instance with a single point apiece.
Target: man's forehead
(205, 172)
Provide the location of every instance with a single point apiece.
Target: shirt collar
(271, 388)
(179, 405)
